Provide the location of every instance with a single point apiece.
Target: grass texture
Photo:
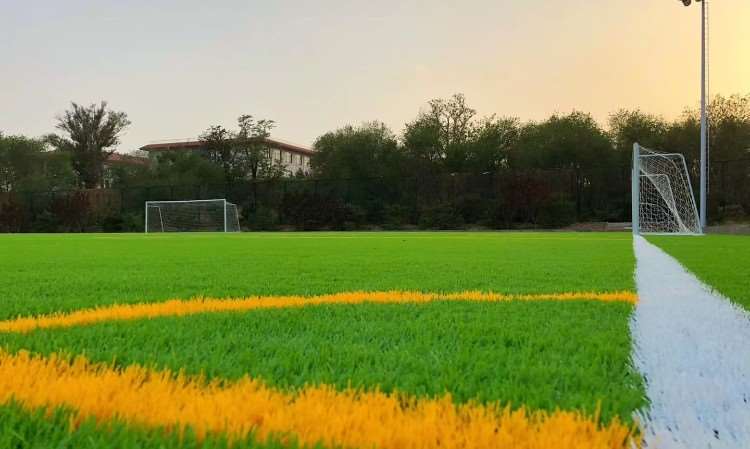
(315, 415)
(721, 261)
(179, 307)
(44, 427)
(541, 354)
(446, 328)
(53, 273)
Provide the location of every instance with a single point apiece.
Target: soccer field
(341, 340)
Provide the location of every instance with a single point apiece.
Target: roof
(125, 159)
(113, 158)
(172, 145)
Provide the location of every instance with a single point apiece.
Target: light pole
(704, 117)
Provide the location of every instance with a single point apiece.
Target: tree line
(445, 142)
(449, 137)
(76, 156)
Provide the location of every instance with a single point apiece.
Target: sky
(177, 67)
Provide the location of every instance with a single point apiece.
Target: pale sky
(177, 67)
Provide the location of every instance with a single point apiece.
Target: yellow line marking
(315, 414)
(177, 307)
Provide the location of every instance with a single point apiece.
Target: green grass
(543, 354)
(50, 273)
(721, 261)
(40, 429)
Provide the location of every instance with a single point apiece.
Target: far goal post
(662, 195)
(216, 215)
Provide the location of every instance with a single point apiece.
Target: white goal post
(217, 215)
(662, 196)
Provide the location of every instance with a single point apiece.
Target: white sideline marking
(693, 348)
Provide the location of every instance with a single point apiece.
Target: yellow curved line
(178, 307)
(315, 414)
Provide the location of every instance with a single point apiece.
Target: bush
(46, 221)
(72, 211)
(11, 217)
(557, 214)
(133, 222)
(444, 216)
(396, 216)
(312, 211)
(112, 223)
(262, 219)
(471, 208)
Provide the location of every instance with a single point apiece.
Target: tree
(563, 141)
(627, 127)
(729, 120)
(441, 134)
(176, 168)
(252, 150)
(19, 159)
(366, 151)
(245, 153)
(217, 142)
(26, 165)
(729, 141)
(577, 145)
(491, 141)
(90, 130)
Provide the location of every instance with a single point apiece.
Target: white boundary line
(692, 347)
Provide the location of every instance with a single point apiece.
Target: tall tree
(627, 127)
(366, 151)
(177, 168)
(89, 133)
(491, 141)
(252, 150)
(19, 159)
(563, 141)
(729, 119)
(217, 142)
(25, 164)
(245, 153)
(441, 133)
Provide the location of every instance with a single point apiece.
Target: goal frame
(225, 203)
(636, 192)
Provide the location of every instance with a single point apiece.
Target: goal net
(192, 216)
(663, 200)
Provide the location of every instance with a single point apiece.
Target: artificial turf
(541, 354)
(546, 355)
(721, 261)
(52, 273)
(52, 428)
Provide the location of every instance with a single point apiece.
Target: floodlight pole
(704, 121)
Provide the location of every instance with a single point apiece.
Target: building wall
(292, 161)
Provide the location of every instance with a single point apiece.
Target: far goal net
(217, 215)
(663, 200)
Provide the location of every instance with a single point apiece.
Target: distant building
(293, 158)
(119, 160)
